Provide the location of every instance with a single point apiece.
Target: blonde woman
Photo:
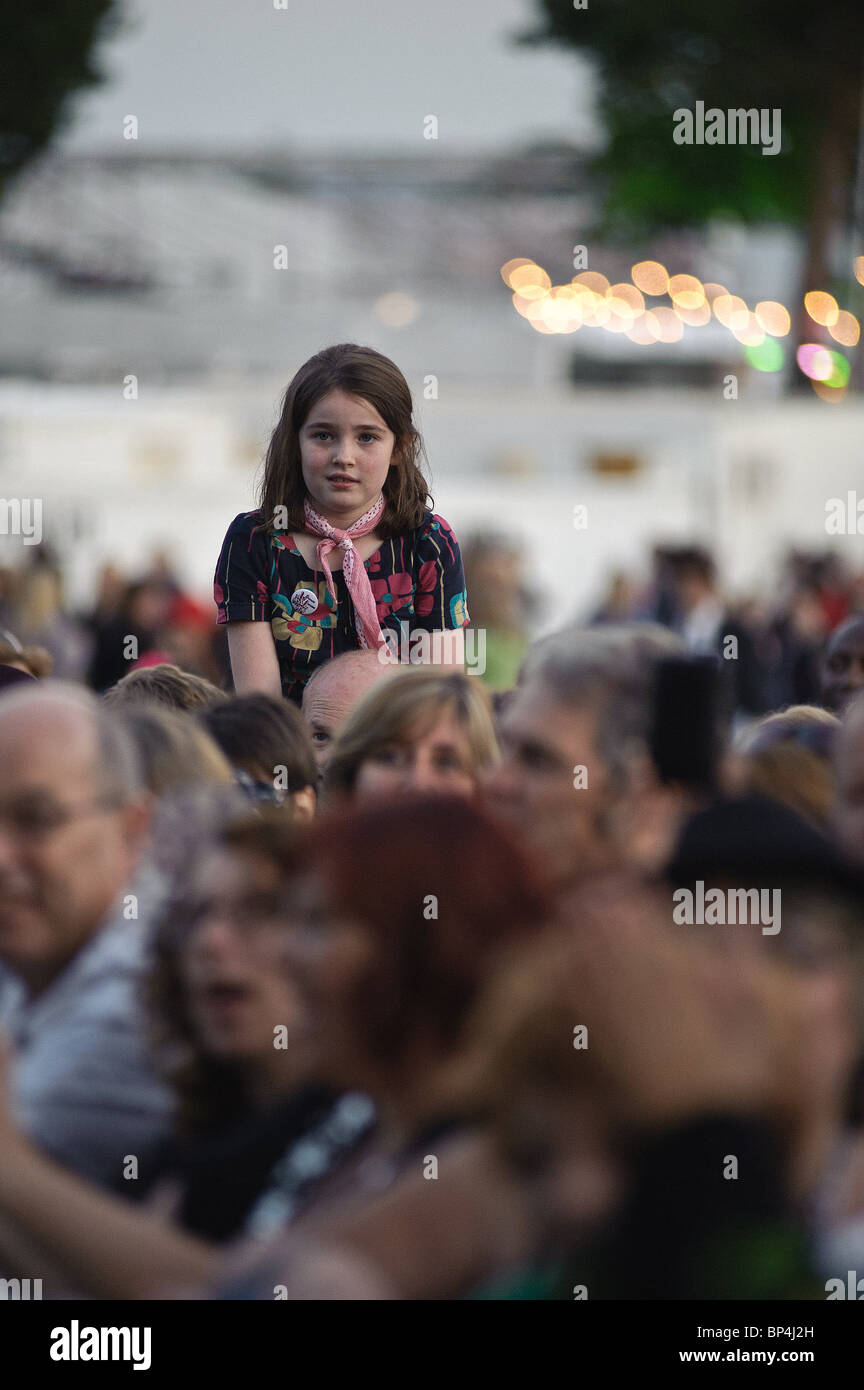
(426, 730)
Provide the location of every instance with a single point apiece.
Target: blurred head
(389, 962)
(816, 933)
(842, 672)
(147, 604)
(173, 751)
(788, 757)
(72, 821)
(166, 686)
(849, 772)
(332, 692)
(11, 676)
(552, 1109)
(266, 738)
(494, 577)
(34, 661)
(427, 731)
(218, 991)
(692, 573)
(573, 735)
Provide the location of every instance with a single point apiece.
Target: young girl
(343, 546)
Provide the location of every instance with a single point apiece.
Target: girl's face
(436, 761)
(345, 454)
(237, 991)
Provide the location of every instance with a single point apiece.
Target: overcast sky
(331, 74)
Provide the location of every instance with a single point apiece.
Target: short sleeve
(240, 584)
(440, 600)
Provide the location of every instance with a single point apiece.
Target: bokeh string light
(590, 301)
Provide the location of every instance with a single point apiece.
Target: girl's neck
(339, 518)
(341, 521)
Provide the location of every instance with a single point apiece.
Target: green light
(840, 374)
(767, 357)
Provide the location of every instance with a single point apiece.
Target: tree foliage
(46, 56)
(652, 58)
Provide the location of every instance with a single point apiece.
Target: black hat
(753, 839)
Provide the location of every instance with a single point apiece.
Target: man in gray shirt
(73, 822)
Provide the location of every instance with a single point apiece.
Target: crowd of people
(333, 965)
(387, 996)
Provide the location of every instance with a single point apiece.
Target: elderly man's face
(552, 784)
(64, 853)
(330, 697)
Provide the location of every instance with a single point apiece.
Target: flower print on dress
(427, 585)
(396, 591)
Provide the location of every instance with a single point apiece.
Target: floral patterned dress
(416, 579)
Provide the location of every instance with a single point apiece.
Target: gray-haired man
(73, 819)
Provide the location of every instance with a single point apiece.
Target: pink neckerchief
(365, 614)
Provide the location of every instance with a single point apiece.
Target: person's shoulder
(434, 526)
(435, 536)
(246, 524)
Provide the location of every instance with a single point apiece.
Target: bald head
(842, 672)
(90, 733)
(333, 692)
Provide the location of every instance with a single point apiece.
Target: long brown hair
(363, 372)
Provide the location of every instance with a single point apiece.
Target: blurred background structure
(178, 237)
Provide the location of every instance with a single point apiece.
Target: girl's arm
(254, 663)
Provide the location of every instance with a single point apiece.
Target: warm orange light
(847, 329)
(592, 280)
(858, 267)
(595, 310)
(694, 318)
(625, 301)
(616, 324)
(509, 266)
(686, 291)
(731, 311)
(650, 277)
(750, 333)
(529, 277)
(521, 305)
(821, 307)
(834, 394)
(561, 309)
(644, 330)
(669, 327)
(773, 317)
